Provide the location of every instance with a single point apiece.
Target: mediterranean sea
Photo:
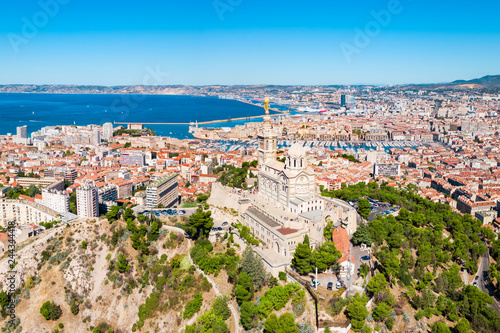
(40, 110)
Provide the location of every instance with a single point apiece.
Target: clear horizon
(238, 42)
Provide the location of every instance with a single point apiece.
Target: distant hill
(489, 81)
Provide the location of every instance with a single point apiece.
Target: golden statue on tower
(266, 105)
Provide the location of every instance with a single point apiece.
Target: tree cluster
(229, 175)
(306, 260)
(199, 224)
(423, 249)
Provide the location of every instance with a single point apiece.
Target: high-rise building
(56, 200)
(96, 137)
(107, 129)
(87, 201)
(342, 100)
(22, 132)
(108, 193)
(164, 191)
(350, 102)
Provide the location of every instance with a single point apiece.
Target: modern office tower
(135, 158)
(107, 129)
(22, 132)
(87, 201)
(164, 191)
(56, 200)
(342, 100)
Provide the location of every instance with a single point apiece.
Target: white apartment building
(55, 200)
(164, 191)
(107, 129)
(87, 201)
(22, 132)
(24, 212)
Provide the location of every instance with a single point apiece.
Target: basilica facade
(288, 205)
(290, 184)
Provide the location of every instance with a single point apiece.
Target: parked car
(329, 286)
(365, 258)
(224, 223)
(475, 284)
(315, 283)
(339, 285)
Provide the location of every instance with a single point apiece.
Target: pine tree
(122, 264)
(302, 257)
(252, 265)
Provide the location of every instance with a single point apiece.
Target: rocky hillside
(91, 270)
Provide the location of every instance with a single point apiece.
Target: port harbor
(349, 146)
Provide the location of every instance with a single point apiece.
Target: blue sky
(200, 42)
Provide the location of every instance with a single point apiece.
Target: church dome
(297, 151)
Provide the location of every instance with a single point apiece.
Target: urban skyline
(231, 166)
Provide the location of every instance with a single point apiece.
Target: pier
(281, 113)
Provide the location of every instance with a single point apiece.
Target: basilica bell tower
(267, 139)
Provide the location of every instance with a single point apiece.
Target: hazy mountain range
(489, 82)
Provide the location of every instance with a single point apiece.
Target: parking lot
(359, 257)
(220, 226)
(324, 278)
(164, 212)
(378, 208)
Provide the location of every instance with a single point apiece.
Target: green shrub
(50, 311)
(193, 306)
(75, 308)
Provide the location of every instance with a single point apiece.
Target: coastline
(168, 109)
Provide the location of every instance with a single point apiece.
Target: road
(483, 283)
